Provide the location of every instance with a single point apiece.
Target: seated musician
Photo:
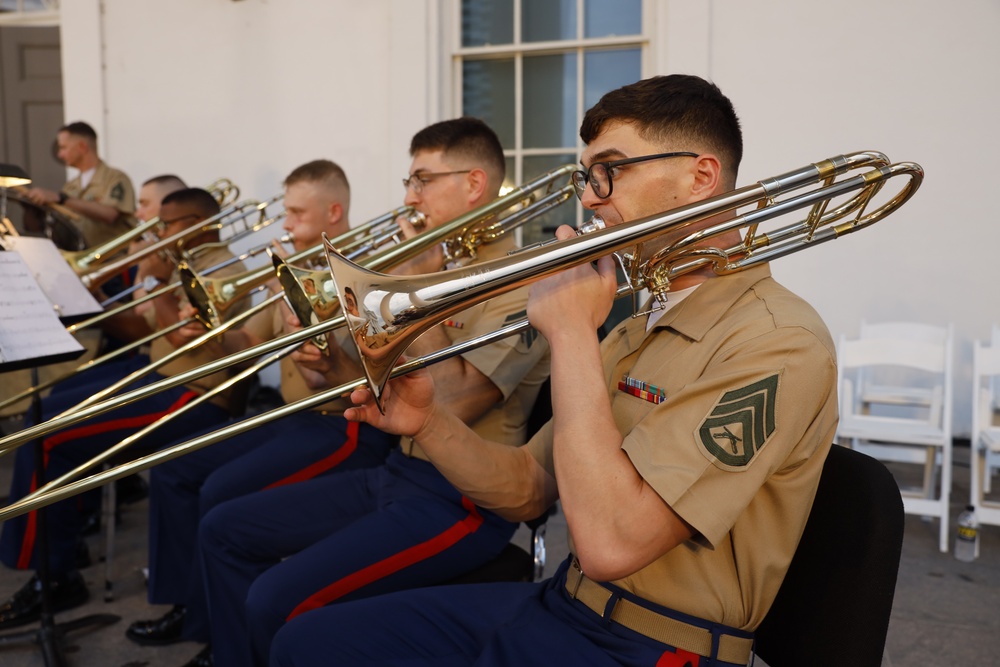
(685, 449)
(271, 554)
(300, 446)
(72, 446)
(102, 196)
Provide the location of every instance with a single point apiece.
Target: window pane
(488, 94)
(543, 227)
(605, 19)
(487, 22)
(547, 20)
(606, 70)
(549, 101)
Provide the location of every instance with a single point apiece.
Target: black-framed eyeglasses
(600, 175)
(163, 224)
(419, 180)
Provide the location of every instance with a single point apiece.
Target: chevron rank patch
(526, 338)
(740, 423)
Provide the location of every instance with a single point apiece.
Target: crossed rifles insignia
(740, 423)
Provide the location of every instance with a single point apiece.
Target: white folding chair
(896, 405)
(985, 427)
(992, 463)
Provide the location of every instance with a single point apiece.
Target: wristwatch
(63, 197)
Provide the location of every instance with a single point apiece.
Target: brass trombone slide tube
(152, 294)
(378, 238)
(79, 411)
(138, 435)
(389, 257)
(212, 297)
(236, 236)
(793, 237)
(247, 254)
(82, 260)
(71, 489)
(94, 406)
(255, 278)
(493, 232)
(142, 372)
(412, 247)
(77, 415)
(405, 308)
(218, 221)
(204, 247)
(136, 344)
(299, 302)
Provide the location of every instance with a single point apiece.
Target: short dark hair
(465, 137)
(319, 171)
(167, 181)
(199, 199)
(678, 108)
(81, 129)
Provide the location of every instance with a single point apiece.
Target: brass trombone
(400, 309)
(211, 298)
(520, 205)
(407, 306)
(175, 243)
(224, 191)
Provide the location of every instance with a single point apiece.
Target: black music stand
(48, 635)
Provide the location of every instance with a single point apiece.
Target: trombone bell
(311, 295)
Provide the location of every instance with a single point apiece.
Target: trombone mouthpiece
(417, 219)
(594, 224)
(286, 238)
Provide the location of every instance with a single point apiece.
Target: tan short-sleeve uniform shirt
(269, 324)
(736, 446)
(111, 187)
(517, 365)
(204, 354)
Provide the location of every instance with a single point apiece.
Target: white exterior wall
(248, 90)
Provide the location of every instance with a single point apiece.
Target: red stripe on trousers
(681, 658)
(332, 461)
(28, 541)
(383, 568)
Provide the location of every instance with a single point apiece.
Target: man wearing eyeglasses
(685, 448)
(298, 447)
(71, 447)
(276, 554)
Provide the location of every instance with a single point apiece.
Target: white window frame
(518, 50)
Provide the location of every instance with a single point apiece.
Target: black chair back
(833, 607)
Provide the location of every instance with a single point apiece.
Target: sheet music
(55, 276)
(29, 325)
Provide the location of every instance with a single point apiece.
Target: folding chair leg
(108, 499)
(930, 470)
(946, 467)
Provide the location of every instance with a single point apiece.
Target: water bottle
(967, 540)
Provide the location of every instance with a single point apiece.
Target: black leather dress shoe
(203, 659)
(161, 631)
(25, 606)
